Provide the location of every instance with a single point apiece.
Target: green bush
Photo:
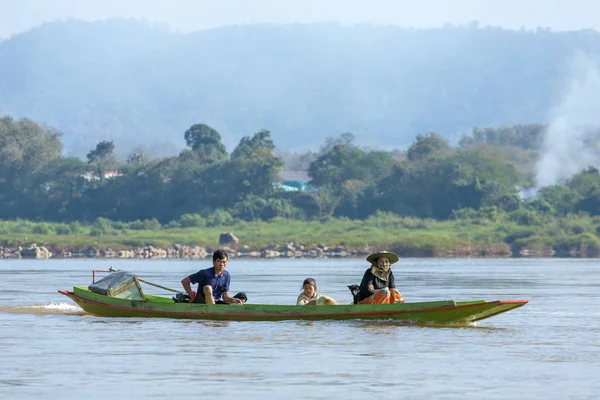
(219, 217)
(23, 227)
(145, 225)
(279, 208)
(118, 225)
(63, 230)
(152, 224)
(585, 241)
(191, 221)
(250, 208)
(75, 228)
(465, 213)
(531, 242)
(414, 223)
(95, 231)
(542, 206)
(41, 228)
(172, 225)
(104, 225)
(382, 219)
(524, 217)
(521, 234)
(509, 203)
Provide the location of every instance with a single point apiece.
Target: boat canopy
(119, 284)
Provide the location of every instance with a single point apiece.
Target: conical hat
(387, 254)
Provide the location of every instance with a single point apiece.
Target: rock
(244, 250)
(288, 248)
(228, 238)
(541, 252)
(194, 252)
(92, 252)
(36, 252)
(230, 252)
(270, 253)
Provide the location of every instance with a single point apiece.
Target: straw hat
(386, 254)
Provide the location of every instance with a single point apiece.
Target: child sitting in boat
(310, 297)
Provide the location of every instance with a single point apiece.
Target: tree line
(433, 179)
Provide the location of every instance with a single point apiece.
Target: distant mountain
(139, 84)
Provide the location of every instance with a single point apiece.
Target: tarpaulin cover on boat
(120, 284)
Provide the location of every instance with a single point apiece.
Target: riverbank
(289, 250)
(408, 237)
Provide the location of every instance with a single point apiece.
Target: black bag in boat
(242, 296)
(181, 298)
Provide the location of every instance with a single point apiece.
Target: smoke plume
(571, 142)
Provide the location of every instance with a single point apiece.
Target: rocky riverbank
(289, 250)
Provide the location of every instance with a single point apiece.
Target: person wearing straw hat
(378, 285)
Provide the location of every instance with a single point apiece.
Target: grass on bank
(382, 230)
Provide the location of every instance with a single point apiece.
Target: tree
(343, 172)
(434, 189)
(58, 185)
(587, 185)
(102, 151)
(345, 139)
(26, 151)
(327, 199)
(428, 145)
(205, 142)
(138, 157)
(526, 137)
(255, 165)
(560, 197)
(102, 158)
(336, 166)
(25, 147)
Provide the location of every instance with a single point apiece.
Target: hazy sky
(188, 15)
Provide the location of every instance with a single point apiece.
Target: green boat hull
(439, 312)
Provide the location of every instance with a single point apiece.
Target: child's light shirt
(303, 299)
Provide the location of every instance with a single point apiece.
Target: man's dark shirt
(219, 283)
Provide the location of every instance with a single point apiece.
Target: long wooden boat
(440, 312)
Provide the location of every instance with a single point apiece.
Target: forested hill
(139, 84)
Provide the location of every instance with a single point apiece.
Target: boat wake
(44, 309)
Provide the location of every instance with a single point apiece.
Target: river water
(550, 348)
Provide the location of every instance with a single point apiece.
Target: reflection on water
(378, 325)
(113, 321)
(547, 349)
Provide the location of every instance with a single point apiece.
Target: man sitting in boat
(378, 285)
(213, 283)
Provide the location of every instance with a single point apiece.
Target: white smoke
(571, 140)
